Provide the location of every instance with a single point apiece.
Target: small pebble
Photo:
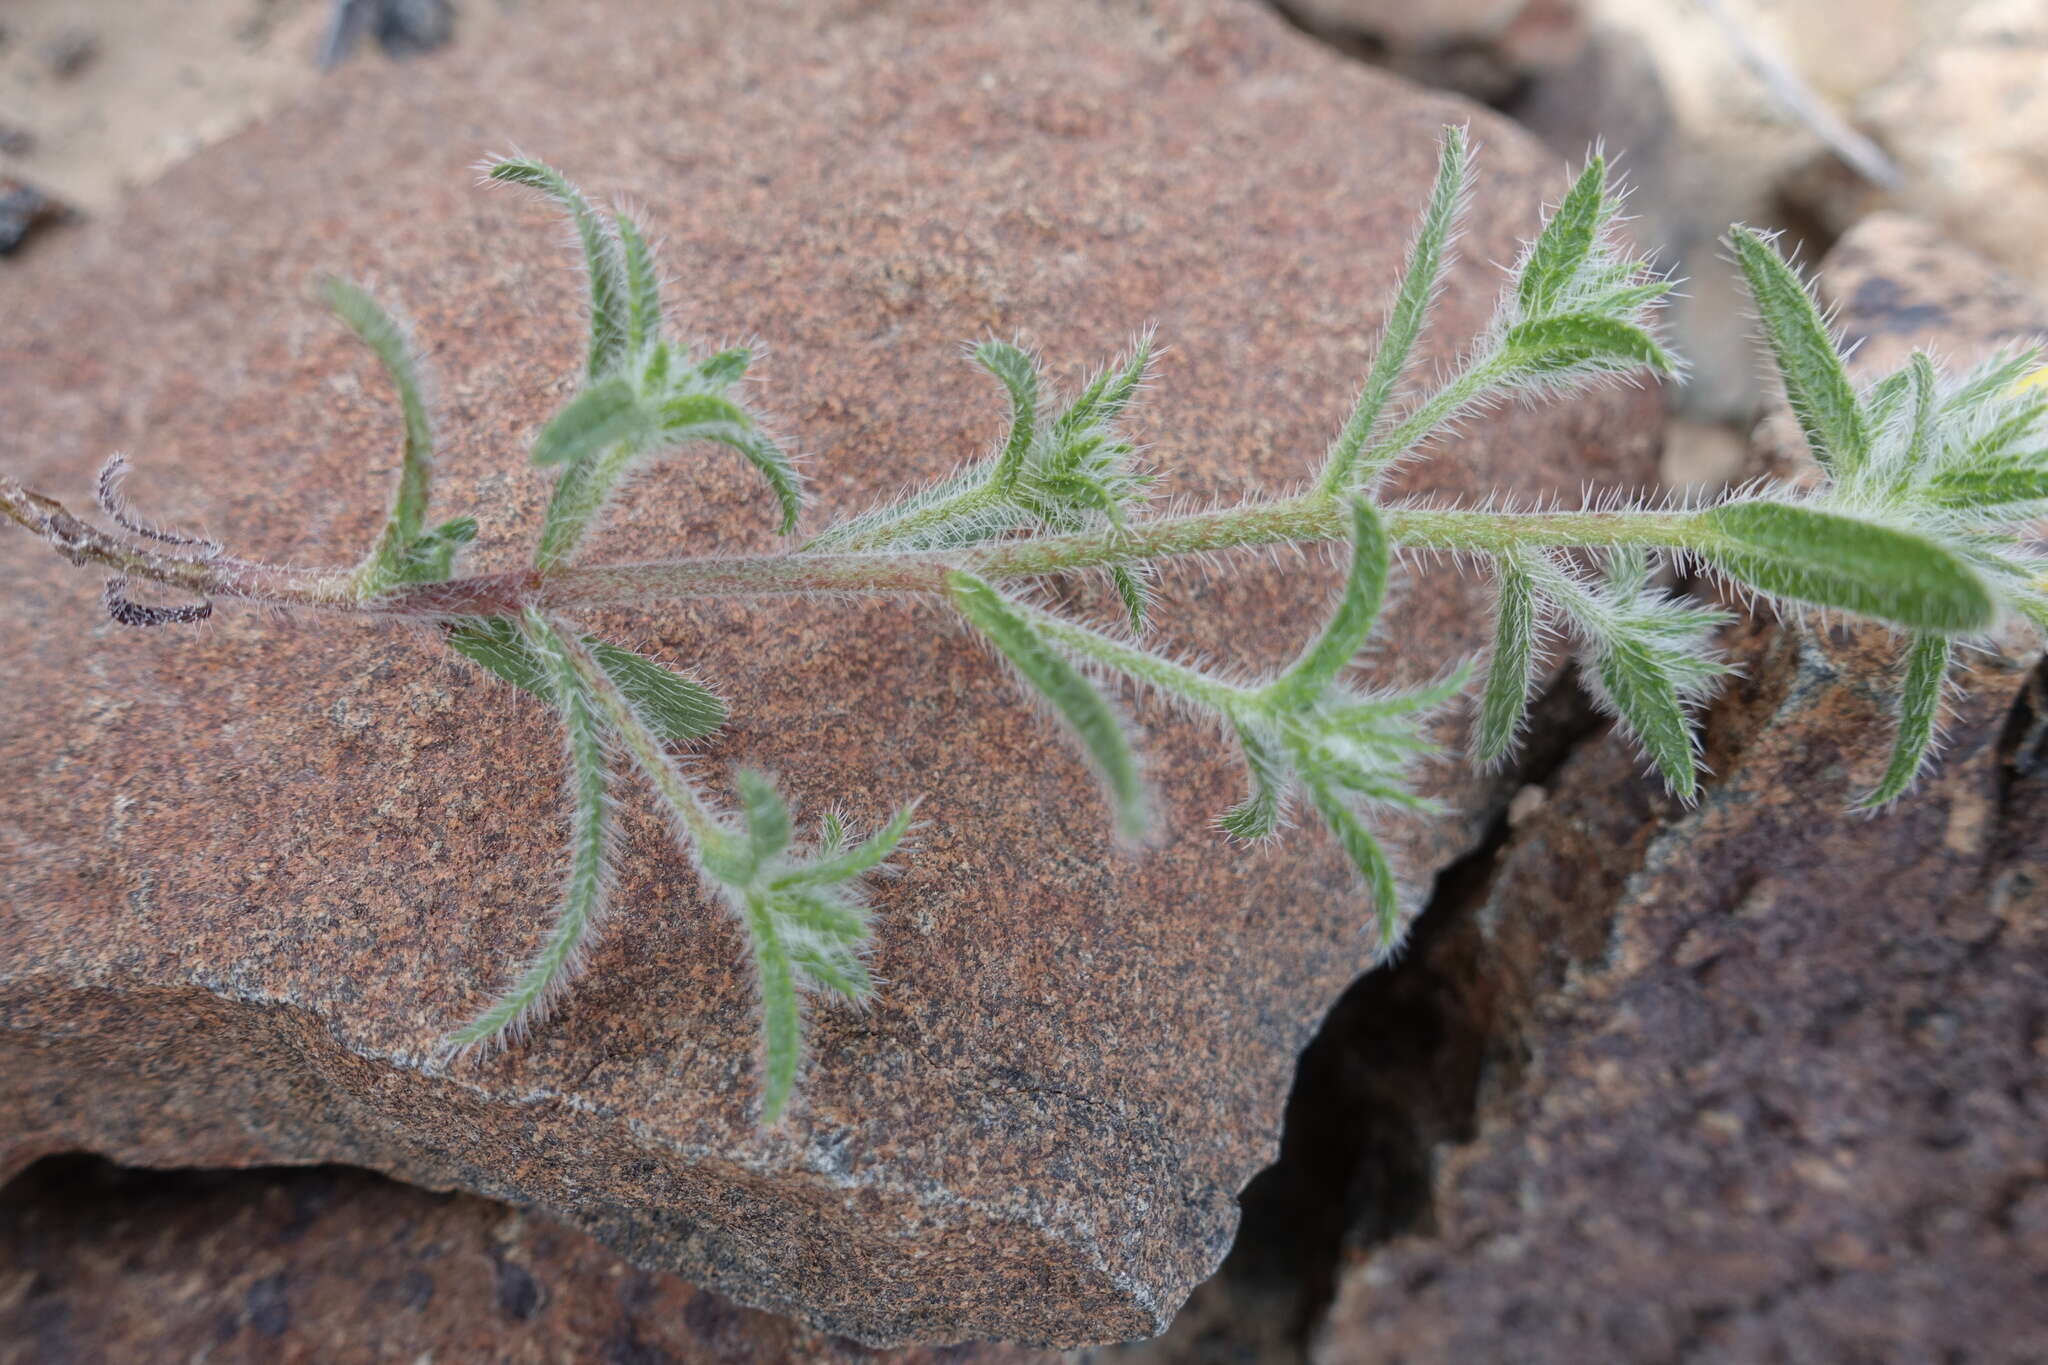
(70, 53)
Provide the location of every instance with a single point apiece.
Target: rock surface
(1763, 1081)
(254, 871)
(333, 1266)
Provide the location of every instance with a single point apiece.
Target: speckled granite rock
(1765, 1081)
(254, 871)
(333, 1266)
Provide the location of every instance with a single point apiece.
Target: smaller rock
(1485, 49)
(70, 53)
(406, 28)
(24, 211)
(1701, 457)
(100, 1262)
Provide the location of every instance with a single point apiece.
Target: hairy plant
(1920, 519)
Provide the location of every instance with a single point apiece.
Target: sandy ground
(99, 96)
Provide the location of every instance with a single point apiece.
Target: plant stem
(1303, 518)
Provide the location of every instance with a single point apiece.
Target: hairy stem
(1300, 519)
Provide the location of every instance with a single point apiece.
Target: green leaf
(681, 413)
(1019, 375)
(1566, 341)
(1831, 560)
(1368, 857)
(606, 414)
(1991, 486)
(1105, 397)
(1566, 241)
(1131, 589)
(643, 287)
(843, 865)
(609, 309)
(375, 328)
(769, 826)
(584, 897)
(834, 967)
(1349, 625)
(781, 1015)
(680, 709)
(1919, 448)
(1426, 260)
(766, 456)
(1512, 667)
(1927, 660)
(1639, 682)
(431, 557)
(727, 367)
(1816, 384)
(1258, 815)
(1072, 696)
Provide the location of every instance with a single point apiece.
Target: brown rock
(333, 1266)
(255, 871)
(1764, 1080)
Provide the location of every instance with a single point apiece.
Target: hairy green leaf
(1350, 624)
(643, 287)
(1072, 696)
(1991, 486)
(727, 367)
(1258, 815)
(584, 895)
(1927, 660)
(1566, 341)
(606, 414)
(1831, 560)
(680, 709)
(842, 864)
(1566, 241)
(1368, 857)
(431, 557)
(1645, 693)
(1512, 666)
(769, 826)
(1816, 385)
(1427, 257)
(681, 414)
(609, 310)
(1019, 374)
(781, 1014)
(1130, 589)
(376, 329)
(765, 455)
(1105, 397)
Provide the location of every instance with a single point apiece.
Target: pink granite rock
(254, 871)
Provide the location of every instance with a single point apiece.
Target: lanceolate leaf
(843, 864)
(607, 413)
(680, 710)
(1105, 398)
(1644, 691)
(1513, 664)
(608, 289)
(1258, 815)
(1919, 708)
(1815, 383)
(766, 456)
(1566, 241)
(1019, 375)
(1566, 341)
(1345, 635)
(769, 826)
(643, 287)
(376, 330)
(1426, 261)
(585, 893)
(1130, 589)
(781, 1014)
(1070, 694)
(1837, 561)
(1368, 857)
(1991, 486)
